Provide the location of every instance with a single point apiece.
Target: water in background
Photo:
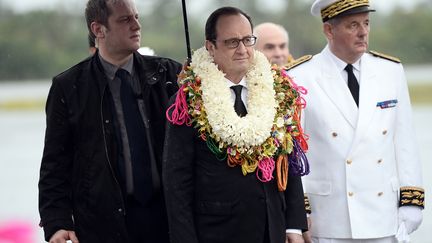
(21, 144)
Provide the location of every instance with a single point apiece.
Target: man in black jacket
(218, 188)
(100, 173)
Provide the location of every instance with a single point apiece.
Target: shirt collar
(341, 64)
(111, 69)
(242, 82)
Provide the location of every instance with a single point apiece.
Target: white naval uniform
(359, 157)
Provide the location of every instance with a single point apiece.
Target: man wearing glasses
(212, 195)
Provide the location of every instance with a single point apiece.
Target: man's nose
(136, 24)
(363, 29)
(241, 47)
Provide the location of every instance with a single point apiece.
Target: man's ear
(98, 29)
(210, 46)
(328, 30)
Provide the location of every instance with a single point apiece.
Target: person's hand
(61, 236)
(294, 238)
(411, 216)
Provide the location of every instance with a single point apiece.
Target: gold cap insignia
(329, 9)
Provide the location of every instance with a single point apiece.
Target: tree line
(40, 44)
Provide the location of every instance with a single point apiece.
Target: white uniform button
(334, 134)
(350, 194)
(349, 161)
(380, 194)
(384, 132)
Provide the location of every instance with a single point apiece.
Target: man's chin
(135, 47)
(362, 47)
(242, 64)
(241, 68)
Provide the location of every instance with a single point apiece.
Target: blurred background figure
(273, 41)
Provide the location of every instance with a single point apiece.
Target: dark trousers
(266, 233)
(266, 237)
(147, 223)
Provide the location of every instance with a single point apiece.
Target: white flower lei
(244, 132)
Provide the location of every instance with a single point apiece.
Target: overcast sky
(25, 5)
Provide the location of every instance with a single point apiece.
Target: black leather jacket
(78, 187)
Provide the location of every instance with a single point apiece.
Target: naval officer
(365, 183)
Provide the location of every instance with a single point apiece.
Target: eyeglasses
(234, 42)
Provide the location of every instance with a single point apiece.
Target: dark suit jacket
(210, 202)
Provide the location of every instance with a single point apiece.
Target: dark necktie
(136, 133)
(239, 106)
(352, 83)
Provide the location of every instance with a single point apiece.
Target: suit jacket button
(384, 132)
(350, 194)
(379, 161)
(380, 194)
(334, 134)
(349, 161)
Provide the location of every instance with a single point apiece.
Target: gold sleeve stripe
(307, 205)
(412, 196)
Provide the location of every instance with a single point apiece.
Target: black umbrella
(186, 31)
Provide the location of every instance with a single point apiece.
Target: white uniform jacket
(359, 157)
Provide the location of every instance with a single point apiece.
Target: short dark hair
(210, 27)
(91, 41)
(97, 10)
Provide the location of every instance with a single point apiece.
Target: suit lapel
(335, 87)
(368, 95)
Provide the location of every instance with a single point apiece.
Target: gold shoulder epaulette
(298, 61)
(378, 54)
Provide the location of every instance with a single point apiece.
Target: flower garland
(270, 129)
